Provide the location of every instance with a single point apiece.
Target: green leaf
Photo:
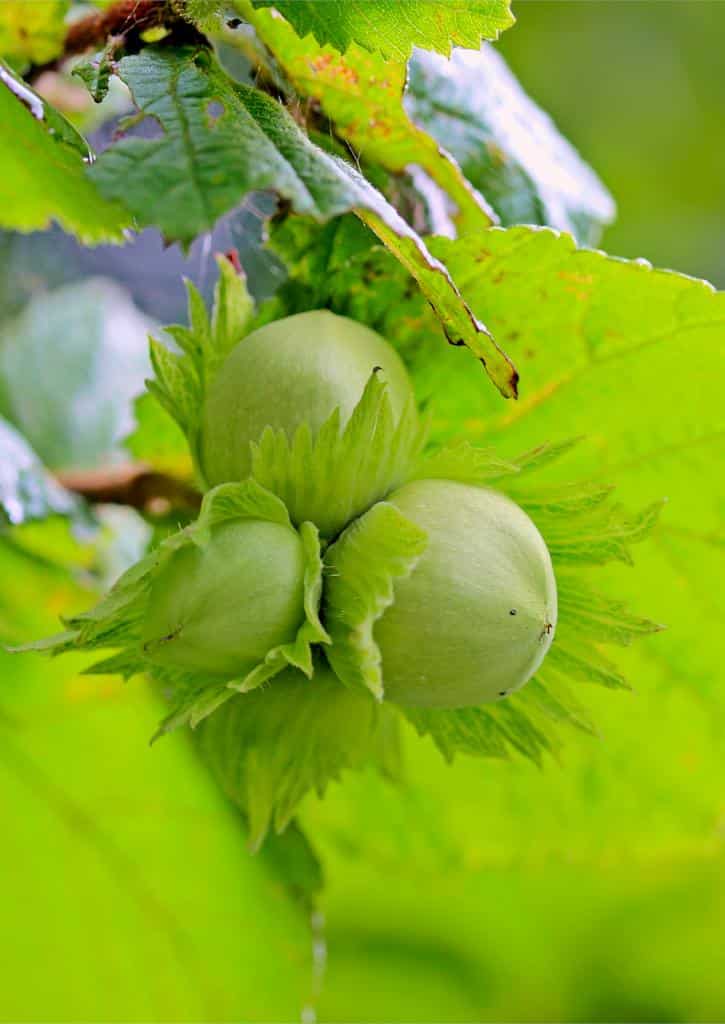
(269, 749)
(394, 27)
(222, 139)
(341, 473)
(27, 491)
(362, 94)
(581, 322)
(44, 173)
(32, 33)
(70, 365)
(506, 146)
(360, 569)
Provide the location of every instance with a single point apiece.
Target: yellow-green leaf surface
(362, 94)
(394, 27)
(597, 876)
(44, 170)
(32, 31)
(127, 888)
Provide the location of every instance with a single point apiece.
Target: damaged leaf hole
(215, 110)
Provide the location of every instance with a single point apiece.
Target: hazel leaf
(362, 95)
(44, 168)
(222, 139)
(394, 27)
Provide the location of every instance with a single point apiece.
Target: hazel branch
(134, 484)
(124, 20)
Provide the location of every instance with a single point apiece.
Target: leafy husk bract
(116, 621)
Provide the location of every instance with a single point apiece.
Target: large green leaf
(70, 365)
(506, 146)
(362, 94)
(44, 173)
(221, 139)
(127, 888)
(393, 27)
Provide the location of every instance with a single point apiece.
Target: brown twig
(118, 19)
(134, 484)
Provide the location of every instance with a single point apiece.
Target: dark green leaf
(222, 139)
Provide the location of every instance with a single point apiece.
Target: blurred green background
(638, 86)
(593, 890)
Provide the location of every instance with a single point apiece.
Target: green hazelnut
(292, 371)
(476, 616)
(220, 607)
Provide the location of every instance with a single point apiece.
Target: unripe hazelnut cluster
(470, 620)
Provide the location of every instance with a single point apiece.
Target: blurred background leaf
(637, 88)
(27, 490)
(507, 147)
(32, 32)
(70, 364)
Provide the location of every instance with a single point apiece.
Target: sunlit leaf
(393, 27)
(44, 170)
